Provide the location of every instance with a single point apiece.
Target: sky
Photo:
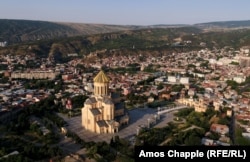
(127, 12)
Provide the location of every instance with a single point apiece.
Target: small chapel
(103, 112)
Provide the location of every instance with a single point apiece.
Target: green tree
(160, 86)
(233, 84)
(204, 64)
(239, 139)
(192, 140)
(177, 87)
(78, 101)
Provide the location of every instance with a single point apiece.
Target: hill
(136, 40)
(16, 31)
(224, 24)
(156, 40)
(19, 31)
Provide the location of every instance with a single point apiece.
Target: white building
(212, 61)
(3, 44)
(172, 79)
(246, 135)
(181, 80)
(239, 79)
(184, 80)
(245, 50)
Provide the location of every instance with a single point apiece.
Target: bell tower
(101, 84)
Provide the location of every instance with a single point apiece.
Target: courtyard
(140, 117)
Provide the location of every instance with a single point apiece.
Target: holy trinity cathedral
(103, 112)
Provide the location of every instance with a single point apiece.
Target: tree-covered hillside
(18, 31)
(144, 41)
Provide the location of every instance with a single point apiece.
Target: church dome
(101, 77)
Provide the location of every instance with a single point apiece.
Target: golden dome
(101, 77)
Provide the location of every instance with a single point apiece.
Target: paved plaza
(138, 117)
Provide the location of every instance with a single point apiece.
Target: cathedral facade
(103, 112)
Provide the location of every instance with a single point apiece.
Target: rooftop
(101, 77)
(95, 111)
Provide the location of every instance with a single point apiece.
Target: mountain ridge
(226, 24)
(18, 31)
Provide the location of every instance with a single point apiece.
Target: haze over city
(129, 12)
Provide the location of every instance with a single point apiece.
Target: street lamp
(138, 130)
(155, 117)
(158, 116)
(149, 122)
